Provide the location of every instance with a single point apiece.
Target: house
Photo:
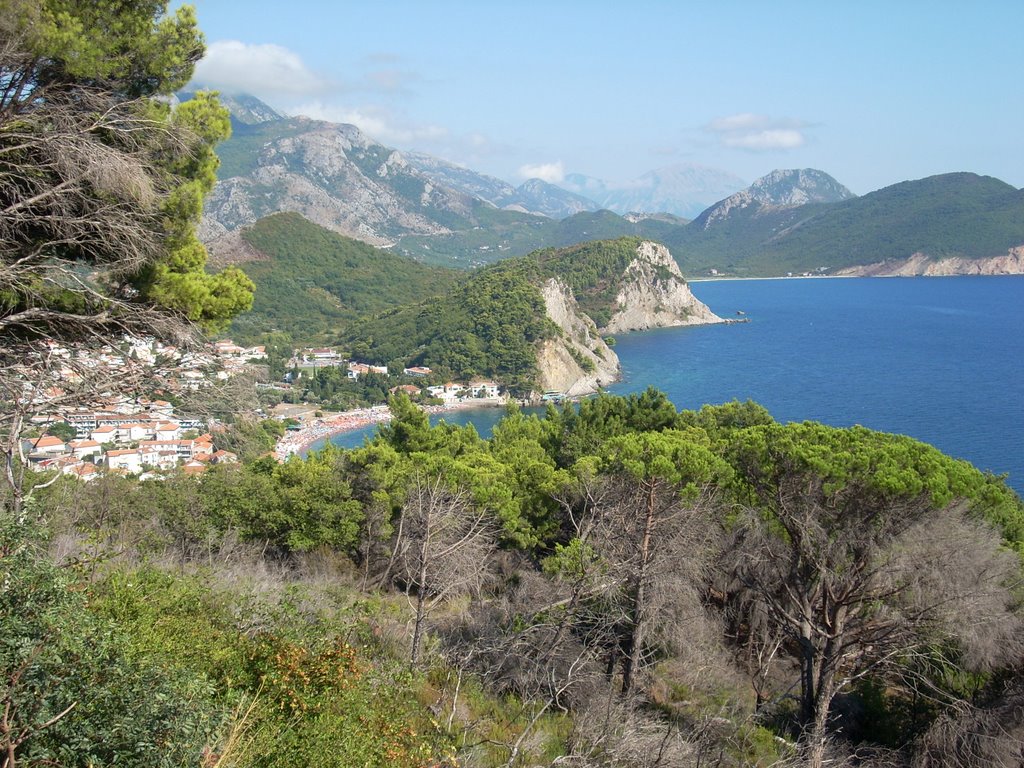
(224, 457)
(201, 447)
(47, 445)
(355, 370)
(183, 449)
(166, 460)
(484, 389)
(167, 431)
(107, 434)
(82, 470)
(83, 422)
(82, 448)
(408, 389)
(417, 370)
(132, 432)
(193, 467)
(160, 407)
(126, 461)
(227, 347)
(150, 457)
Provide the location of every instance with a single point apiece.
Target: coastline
(299, 442)
(776, 277)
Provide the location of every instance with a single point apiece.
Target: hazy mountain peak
(683, 189)
(249, 110)
(551, 200)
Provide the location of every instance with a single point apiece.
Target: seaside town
(146, 437)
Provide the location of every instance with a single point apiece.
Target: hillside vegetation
(506, 234)
(489, 325)
(313, 280)
(486, 326)
(618, 585)
(958, 214)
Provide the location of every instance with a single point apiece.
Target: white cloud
(549, 172)
(261, 70)
(777, 138)
(758, 132)
(377, 122)
(742, 122)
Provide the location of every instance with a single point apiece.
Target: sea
(940, 359)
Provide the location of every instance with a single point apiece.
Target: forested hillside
(620, 585)
(505, 234)
(489, 325)
(311, 281)
(957, 214)
(486, 326)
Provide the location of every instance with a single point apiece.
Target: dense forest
(490, 323)
(618, 584)
(311, 281)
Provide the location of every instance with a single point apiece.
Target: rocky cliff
(1010, 263)
(577, 361)
(652, 294)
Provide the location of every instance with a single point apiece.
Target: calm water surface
(939, 359)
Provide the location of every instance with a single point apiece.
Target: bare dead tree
(858, 583)
(654, 546)
(88, 168)
(441, 547)
(973, 736)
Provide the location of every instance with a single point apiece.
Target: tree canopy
(101, 178)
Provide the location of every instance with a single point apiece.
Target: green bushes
(548, 574)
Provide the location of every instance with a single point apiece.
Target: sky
(873, 93)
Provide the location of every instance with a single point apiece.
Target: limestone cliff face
(920, 264)
(562, 361)
(654, 294)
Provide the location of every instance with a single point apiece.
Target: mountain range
(767, 230)
(683, 190)
(338, 177)
(435, 211)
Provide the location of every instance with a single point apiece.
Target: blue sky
(872, 92)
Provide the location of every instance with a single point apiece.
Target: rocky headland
(652, 293)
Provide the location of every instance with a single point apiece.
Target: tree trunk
(422, 574)
(816, 734)
(417, 633)
(807, 674)
(639, 612)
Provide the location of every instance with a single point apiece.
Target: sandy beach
(298, 442)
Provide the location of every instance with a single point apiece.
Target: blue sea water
(939, 359)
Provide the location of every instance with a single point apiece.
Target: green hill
(501, 234)
(957, 214)
(489, 325)
(312, 281)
